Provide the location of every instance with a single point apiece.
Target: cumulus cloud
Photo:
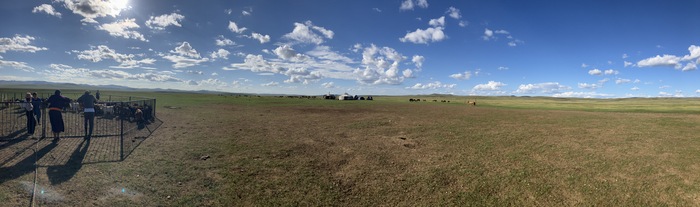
(418, 61)
(462, 76)
(91, 9)
(302, 75)
(488, 34)
(262, 38)
(328, 85)
(628, 64)
(234, 27)
(571, 94)
(325, 53)
(439, 22)
(432, 34)
(595, 72)
(381, 66)
(222, 41)
(19, 43)
(220, 53)
(591, 86)
(48, 9)
(184, 56)
(433, 85)
(454, 13)
(634, 88)
(410, 4)
(694, 53)
(103, 52)
(665, 60)
(622, 80)
(287, 53)
(611, 72)
(60, 72)
(304, 34)
(273, 83)
(548, 88)
(123, 28)
(690, 66)
(17, 65)
(490, 86)
(162, 21)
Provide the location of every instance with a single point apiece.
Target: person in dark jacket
(56, 104)
(36, 103)
(88, 101)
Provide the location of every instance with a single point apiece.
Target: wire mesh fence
(120, 125)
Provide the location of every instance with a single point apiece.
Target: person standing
(56, 104)
(88, 101)
(36, 103)
(97, 94)
(29, 111)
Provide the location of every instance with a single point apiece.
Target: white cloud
(583, 65)
(304, 33)
(690, 66)
(591, 86)
(273, 83)
(60, 72)
(234, 27)
(184, 56)
(220, 53)
(571, 94)
(325, 53)
(625, 56)
(454, 13)
(103, 52)
(287, 53)
(376, 9)
(17, 65)
(46, 8)
(418, 60)
(488, 34)
(381, 66)
(678, 94)
(222, 41)
(462, 76)
(439, 22)
(302, 75)
(262, 38)
(162, 21)
(245, 13)
(595, 72)
(490, 86)
(611, 72)
(433, 85)
(622, 80)
(548, 87)
(634, 88)
(694, 53)
(410, 4)
(328, 85)
(628, 64)
(123, 28)
(228, 11)
(503, 68)
(91, 9)
(19, 43)
(665, 60)
(637, 81)
(463, 23)
(664, 87)
(432, 34)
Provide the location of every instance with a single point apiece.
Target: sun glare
(119, 4)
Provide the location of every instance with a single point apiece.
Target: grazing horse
(473, 103)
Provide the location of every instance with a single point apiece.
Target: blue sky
(598, 49)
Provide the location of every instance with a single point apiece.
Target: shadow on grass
(26, 165)
(61, 173)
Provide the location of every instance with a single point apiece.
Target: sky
(573, 48)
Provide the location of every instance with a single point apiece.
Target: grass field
(269, 151)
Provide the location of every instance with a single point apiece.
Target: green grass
(522, 151)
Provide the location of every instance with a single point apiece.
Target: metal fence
(127, 119)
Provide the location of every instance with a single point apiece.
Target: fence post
(121, 139)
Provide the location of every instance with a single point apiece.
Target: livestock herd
(473, 103)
